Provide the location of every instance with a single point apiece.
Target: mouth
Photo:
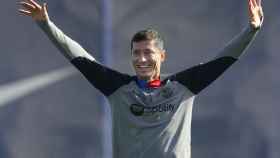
(144, 68)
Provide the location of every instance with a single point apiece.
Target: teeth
(143, 66)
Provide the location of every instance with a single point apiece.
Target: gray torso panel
(152, 124)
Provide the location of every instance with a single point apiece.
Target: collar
(143, 84)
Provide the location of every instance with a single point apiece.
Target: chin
(147, 76)
(144, 76)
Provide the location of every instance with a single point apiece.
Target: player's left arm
(199, 77)
(236, 47)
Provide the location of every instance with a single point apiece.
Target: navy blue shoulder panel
(101, 77)
(199, 77)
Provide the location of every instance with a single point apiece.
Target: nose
(142, 58)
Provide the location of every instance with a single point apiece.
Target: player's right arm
(100, 76)
(70, 48)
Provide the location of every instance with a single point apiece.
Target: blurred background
(48, 110)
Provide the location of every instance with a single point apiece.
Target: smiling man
(151, 116)
(147, 54)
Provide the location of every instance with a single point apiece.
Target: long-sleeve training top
(150, 123)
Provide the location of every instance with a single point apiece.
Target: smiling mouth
(143, 66)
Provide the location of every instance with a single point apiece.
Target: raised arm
(100, 76)
(69, 48)
(236, 47)
(199, 77)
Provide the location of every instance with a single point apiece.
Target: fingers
(255, 5)
(252, 3)
(28, 6)
(45, 7)
(34, 3)
(250, 7)
(259, 2)
(25, 12)
(255, 13)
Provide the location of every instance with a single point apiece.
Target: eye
(136, 53)
(148, 52)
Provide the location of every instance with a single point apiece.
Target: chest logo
(141, 110)
(137, 109)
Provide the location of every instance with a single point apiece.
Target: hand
(255, 13)
(34, 9)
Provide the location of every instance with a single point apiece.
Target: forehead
(143, 44)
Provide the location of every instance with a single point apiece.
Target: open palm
(34, 9)
(255, 13)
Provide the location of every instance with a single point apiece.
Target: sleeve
(68, 47)
(101, 77)
(199, 77)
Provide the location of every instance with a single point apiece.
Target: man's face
(147, 59)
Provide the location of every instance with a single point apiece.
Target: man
(151, 117)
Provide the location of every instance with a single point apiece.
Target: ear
(163, 55)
